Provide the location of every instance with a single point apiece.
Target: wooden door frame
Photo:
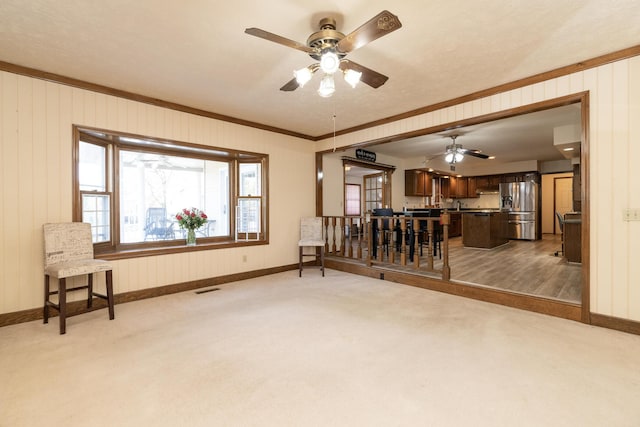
(582, 98)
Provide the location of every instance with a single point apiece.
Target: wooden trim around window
(112, 250)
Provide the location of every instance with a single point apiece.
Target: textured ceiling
(195, 52)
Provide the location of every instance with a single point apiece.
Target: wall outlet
(631, 214)
(244, 258)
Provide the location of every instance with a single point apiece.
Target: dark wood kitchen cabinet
(482, 182)
(462, 187)
(471, 187)
(522, 177)
(417, 183)
(495, 180)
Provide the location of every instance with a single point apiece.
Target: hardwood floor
(526, 267)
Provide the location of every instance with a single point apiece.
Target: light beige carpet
(336, 351)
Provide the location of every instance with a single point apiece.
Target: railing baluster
(380, 242)
(402, 245)
(361, 229)
(446, 270)
(370, 244)
(403, 235)
(350, 228)
(416, 243)
(333, 225)
(431, 243)
(326, 235)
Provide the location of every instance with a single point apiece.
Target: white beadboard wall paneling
(89, 106)
(589, 82)
(9, 195)
(77, 105)
(65, 136)
(562, 87)
(24, 212)
(101, 112)
(39, 170)
(633, 189)
(56, 175)
(604, 162)
(619, 116)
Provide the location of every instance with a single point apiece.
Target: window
(249, 201)
(352, 199)
(96, 200)
(373, 190)
(131, 188)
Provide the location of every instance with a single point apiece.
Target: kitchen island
(484, 229)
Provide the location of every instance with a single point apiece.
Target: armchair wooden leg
(45, 310)
(322, 260)
(109, 283)
(300, 262)
(62, 303)
(90, 290)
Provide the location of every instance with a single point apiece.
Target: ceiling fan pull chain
(334, 131)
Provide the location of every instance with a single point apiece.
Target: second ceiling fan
(455, 153)
(330, 47)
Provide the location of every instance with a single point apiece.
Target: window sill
(167, 250)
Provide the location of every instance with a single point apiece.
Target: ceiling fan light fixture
(329, 62)
(454, 154)
(352, 77)
(303, 76)
(327, 86)
(448, 157)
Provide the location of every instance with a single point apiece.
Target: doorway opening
(582, 278)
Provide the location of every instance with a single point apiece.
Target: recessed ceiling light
(492, 157)
(568, 149)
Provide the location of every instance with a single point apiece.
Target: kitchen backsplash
(485, 201)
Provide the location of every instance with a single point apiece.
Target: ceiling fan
(455, 153)
(330, 47)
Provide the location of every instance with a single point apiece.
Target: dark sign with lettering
(365, 155)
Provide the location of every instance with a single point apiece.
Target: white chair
(311, 236)
(68, 252)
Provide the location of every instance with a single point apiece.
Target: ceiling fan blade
(369, 77)
(278, 39)
(378, 26)
(290, 85)
(475, 153)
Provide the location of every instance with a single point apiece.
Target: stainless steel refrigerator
(521, 201)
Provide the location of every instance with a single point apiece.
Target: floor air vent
(204, 291)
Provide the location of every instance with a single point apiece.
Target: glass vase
(191, 237)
